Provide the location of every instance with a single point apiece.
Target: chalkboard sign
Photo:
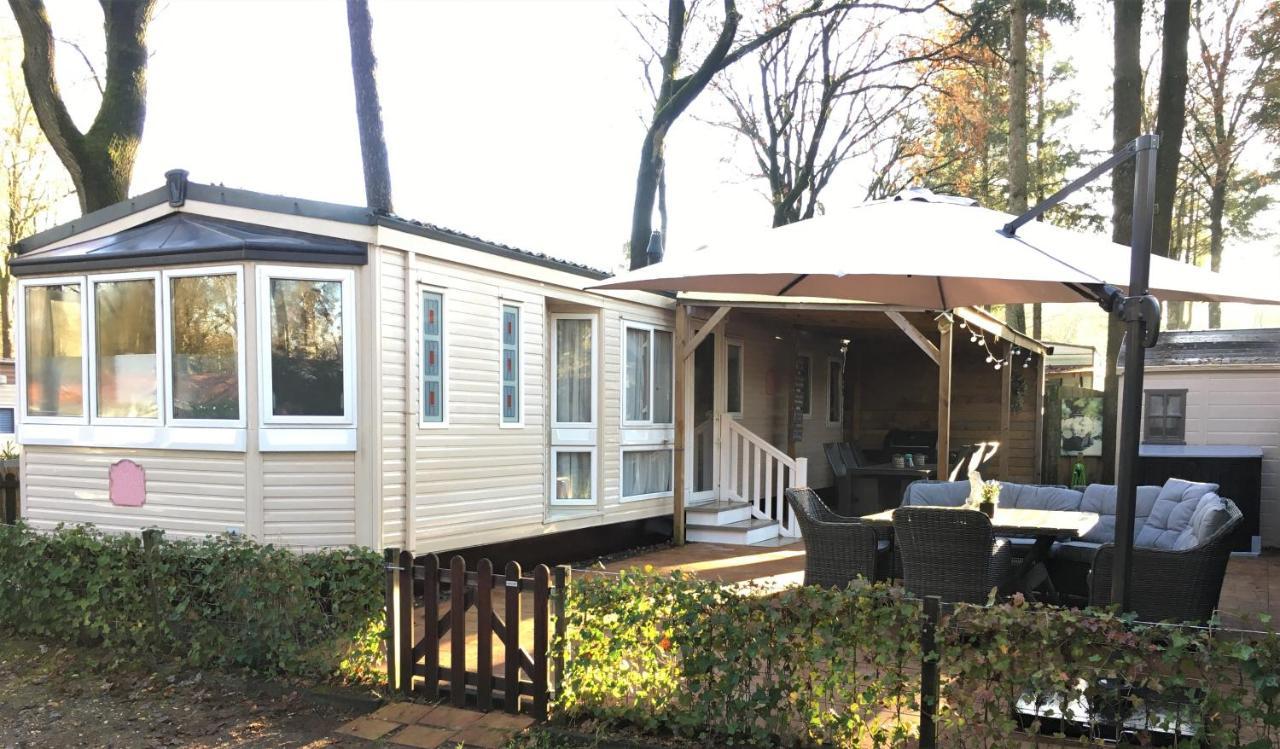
(799, 393)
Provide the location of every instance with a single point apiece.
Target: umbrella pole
(1136, 311)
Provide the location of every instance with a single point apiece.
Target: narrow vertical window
(432, 357)
(663, 372)
(574, 371)
(204, 348)
(510, 364)
(734, 365)
(835, 391)
(638, 396)
(573, 433)
(54, 336)
(125, 362)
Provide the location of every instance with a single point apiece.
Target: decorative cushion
(1171, 515)
(936, 493)
(1101, 498)
(1209, 516)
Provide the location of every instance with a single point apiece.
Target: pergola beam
(703, 332)
(914, 334)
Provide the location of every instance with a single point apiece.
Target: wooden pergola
(688, 338)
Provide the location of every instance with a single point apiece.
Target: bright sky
(515, 120)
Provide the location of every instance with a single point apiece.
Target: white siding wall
(309, 499)
(189, 494)
(478, 482)
(395, 330)
(1235, 407)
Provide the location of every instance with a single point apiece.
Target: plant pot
(987, 508)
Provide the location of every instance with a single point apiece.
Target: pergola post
(944, 396)
(1006, 409)
(677, 400)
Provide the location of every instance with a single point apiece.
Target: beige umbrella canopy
(928, 251)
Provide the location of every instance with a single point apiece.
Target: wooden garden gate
(413, 652)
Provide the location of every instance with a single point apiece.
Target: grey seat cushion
(936, 493)
(1169, 526)
(1075, 551)
(1210, 515)
(1101, 499)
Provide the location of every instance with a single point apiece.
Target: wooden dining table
(1045, 526)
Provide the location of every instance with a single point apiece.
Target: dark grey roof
(295, 207)
(185, 238)
(1200, 347)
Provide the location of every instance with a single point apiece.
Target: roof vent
(653, 253)
(925, 195)
(175, 181)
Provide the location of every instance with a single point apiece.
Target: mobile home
(209, 360)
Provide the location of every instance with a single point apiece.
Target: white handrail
(754, 471)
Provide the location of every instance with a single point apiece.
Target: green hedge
(672, 654)
(687, 656)
(220, 602)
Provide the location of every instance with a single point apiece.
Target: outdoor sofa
(1181, 532)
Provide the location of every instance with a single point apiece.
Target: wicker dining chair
(1170, 585)
(951, 553)
(838, 549)
(840, 471)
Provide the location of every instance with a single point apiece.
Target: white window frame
(94, 280)
(591, 501)
(166, 312)
(21, 350)
(556, 424)
(521, 394)
(265, 406)
(836, 393)
(445, 353)
(742, 368)
(653, 371)
(574, 436)
(645, 448)
(808, 385)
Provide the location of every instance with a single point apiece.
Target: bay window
(573, 409)
(148, 354)
(53, 349)
(307, 357)
(204, 318)
(126, 357)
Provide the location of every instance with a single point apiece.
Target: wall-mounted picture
(1082, 425)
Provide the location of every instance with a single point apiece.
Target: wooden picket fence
(413, 653)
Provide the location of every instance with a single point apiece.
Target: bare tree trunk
(1016, 314)
(100, 160)
(373, 144)
(1217, 206)
(1171, 117)
(1126, 122)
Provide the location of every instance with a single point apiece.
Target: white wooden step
(719, 512)
(743, 532)
(776, 541)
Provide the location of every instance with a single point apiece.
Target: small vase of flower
(989, 498)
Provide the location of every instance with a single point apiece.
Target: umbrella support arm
(1130, 150)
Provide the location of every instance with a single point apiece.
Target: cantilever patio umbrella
(940, 252)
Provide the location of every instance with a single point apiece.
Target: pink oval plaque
(127, 484)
